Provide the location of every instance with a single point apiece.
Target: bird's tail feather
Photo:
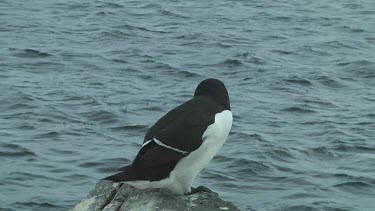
(123, 168)
(119, 177)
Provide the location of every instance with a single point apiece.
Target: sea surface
(82, 81)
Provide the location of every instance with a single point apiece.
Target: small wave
(223, 45)
(75, 98)
(65, 152)
(154, 108)
(320, 205)
(27, 176)
(31, 53)
(114, 34)
(45, 119)
(13, 150)
(329, 82)
(283, 52)
(57, 170)
(140, 28)
(299, 81)
(351, 29)
(314, 123)
(102, 13)
(21, 106)
(353, 6)
(112, 164)
(120, 61)
(338, 44)
(159, 8)
(302, 196)
(121, 160)
(172, 14)
(246, 166)
(321, 153)
(251, 58)
(101, 116)
(278, 37)
(184, 73)
(344, 176)
(318, 102)
(90, 164)
(315, 50)
(281, 154)
(246, 136)
(356, 63)
(241, 60)
(356, 149)
(257, 137)
(216, 176)
(142, 128)
(366, 12)
(357, 30)
(162, 66)
(78, 177)
(48, 135)
(365, 123)
(280, 18)
(111, 5)
(151, 6)
(329, 131)
(356, 187)
(26, 127)
(191, 43)
(231, 63)
(360, 68)
(296, 109)
(33, 205)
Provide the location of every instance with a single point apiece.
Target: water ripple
(81, 83)
(298, 81)
(357, 188)
(13, 150)
(31, 53)
(298, 109)
(32, 205)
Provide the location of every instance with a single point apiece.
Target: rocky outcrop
(109, 196)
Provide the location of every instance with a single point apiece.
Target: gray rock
(109, 196)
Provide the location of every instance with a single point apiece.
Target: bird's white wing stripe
(144, 144)
(169, 147)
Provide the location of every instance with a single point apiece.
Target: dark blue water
(82, 81)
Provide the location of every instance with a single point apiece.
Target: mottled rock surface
(109, 196)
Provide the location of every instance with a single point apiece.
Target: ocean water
(82, 81)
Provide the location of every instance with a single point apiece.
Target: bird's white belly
(214, 137)
(185, 171)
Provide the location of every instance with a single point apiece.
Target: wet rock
(109, 196)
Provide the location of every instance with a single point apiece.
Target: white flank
(185, 171)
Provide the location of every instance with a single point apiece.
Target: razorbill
(182, 142)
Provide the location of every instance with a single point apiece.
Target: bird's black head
(214, 89)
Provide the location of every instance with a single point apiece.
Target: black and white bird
(181, 143)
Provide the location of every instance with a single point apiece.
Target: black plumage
(181, 128)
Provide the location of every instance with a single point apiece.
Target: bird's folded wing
(184, 134)
(173, 141)
(153, 155)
